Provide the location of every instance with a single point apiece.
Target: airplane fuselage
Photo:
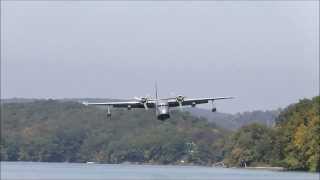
(162, 110)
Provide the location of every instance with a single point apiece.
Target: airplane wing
(193, 101)
(122, 104)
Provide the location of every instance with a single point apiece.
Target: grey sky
(264, 53)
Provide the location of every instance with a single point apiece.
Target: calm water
(67, 171)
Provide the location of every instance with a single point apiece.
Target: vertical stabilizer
(156, 103)
(156, 88)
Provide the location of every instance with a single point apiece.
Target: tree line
(294, 142)
(59, 131)
(55, 131)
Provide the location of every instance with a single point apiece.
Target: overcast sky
(266, 54)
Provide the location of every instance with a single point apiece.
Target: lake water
(75, 171)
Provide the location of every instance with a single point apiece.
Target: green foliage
(55, 131)
(235, 121)
(253, 143)
(61, 131)
(293, 143)
(299, 134)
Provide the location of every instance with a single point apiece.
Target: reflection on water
(74, 171)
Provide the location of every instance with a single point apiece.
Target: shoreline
(155, 164)
(267, 168)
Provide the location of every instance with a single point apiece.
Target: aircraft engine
(129, 107)
(180, 99)
(143, 100)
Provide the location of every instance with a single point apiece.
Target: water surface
(77, 171)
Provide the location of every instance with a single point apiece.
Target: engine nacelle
(214, 109)
(143, 100)
(129, 107)
(180, 98)
(109, 115)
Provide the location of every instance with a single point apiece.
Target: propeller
(143, 100)
(180, 100)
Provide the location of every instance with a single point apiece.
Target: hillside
(299, 135)
(56, 131)
(293, 143)
(64, 131)
(223, 120)
(235, 121)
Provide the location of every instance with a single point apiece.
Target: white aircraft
(161, 105)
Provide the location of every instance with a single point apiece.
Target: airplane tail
(156, 88)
